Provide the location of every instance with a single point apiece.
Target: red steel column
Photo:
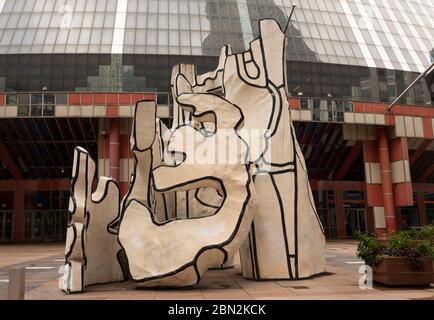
(386, 179)
(114, 149)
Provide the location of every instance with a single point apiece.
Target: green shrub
(368, 248)
(425, 248)
(413, 244)
(400, 240)
(425, 233)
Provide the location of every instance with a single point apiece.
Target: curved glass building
(72, 70)
(367, 50)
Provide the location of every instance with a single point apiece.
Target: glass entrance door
(49, 233)
(355, 220)
(46, 225)
(6, 224)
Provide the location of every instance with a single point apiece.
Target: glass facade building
(356, 49)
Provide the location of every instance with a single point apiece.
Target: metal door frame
(3, 214)
(353, 213)
(57, 224)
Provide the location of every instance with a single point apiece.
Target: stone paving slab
(339, 282)
(14, 254)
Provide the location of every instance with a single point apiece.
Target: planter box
(393, 271)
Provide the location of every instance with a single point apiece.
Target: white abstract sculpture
(183, 215)
(177, 252)
(91, 249)
(287, 239)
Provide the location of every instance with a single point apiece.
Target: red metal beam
(419, 151)
(352, 156)
(9, 162)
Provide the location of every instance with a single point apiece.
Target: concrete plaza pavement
(341, 280)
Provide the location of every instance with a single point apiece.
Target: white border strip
(119, 31)
(2, 5)
(401, 59)
(415, 34)
(421, 22)
(403, 36)
(423, 10)
(358, 35)
(384, 56)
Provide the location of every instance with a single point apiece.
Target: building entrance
(355, 220)
(6, 225)
(46, 225)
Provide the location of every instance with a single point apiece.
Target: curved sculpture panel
(228, 176)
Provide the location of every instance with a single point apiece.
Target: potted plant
(402, 258)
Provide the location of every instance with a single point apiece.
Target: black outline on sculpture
(219, 246)
(276, 93)
(209, 113)
(79, 151)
